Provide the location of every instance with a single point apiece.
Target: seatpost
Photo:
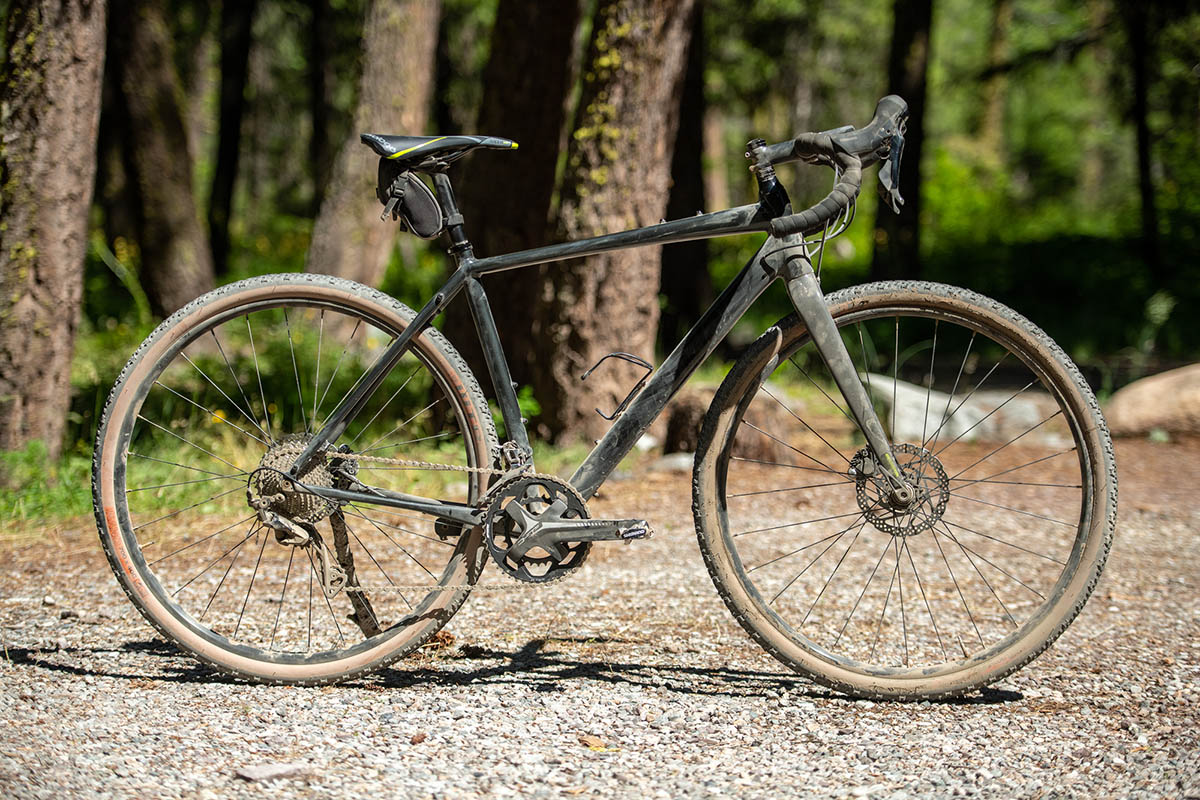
(460, 247)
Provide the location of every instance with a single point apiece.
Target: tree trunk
(176, 261)
(525, 91)
(236, 19)
(399, 40)
(995, 86)
(50, 101)
(320, 80)
(686, 286)
(1140, 47)
(897, 236)
(617, 177)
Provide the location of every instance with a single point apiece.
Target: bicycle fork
(809, 302)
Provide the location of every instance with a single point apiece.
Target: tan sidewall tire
(718, 551)
(109, 455)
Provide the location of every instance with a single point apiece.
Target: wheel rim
(988, 571)
(205, 412)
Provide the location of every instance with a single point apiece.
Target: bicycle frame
(785, 258)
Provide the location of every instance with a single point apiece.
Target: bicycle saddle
(406, 149)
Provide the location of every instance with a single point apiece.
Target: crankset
(537, 528)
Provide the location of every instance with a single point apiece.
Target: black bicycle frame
(776, 257)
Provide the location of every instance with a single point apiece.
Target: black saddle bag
(407, 198)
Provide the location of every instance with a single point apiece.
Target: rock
(1168, 401)
(270, 772)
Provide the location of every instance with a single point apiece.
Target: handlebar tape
(842, 195)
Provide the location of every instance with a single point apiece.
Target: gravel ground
(628, 680)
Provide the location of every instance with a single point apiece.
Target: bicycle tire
(1023, 523)
(227, 414)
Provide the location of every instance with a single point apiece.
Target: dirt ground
(92, 703)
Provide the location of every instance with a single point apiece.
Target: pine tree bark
(394, 92)
(50, 101)
(617, 177)
(898, 236)
(236, 19)
(525, 93)
(685, 284)
(176, 261)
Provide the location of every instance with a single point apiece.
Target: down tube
(690, 353)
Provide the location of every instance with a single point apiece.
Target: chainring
(536, 494)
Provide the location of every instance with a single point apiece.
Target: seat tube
(805, 293)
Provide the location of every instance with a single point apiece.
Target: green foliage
(39, 489)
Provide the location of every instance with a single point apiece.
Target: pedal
(640, 529)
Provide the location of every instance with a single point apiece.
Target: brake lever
(889, 174)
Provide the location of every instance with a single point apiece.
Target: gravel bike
(904, 489)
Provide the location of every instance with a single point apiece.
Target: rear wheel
(1015, 507)
(207, 415)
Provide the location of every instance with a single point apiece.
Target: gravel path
(629, 680)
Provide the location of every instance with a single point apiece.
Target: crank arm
(549, 535)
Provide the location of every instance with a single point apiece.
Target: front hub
(902, 514)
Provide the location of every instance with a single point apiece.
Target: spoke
(214, 415)
(806, 522)
(282, 596)
(395, 394)
(1014, 510)
(970, 394)
(237, 383)
(1002, 541)
(788, 489)
(441, 435)
(961, 596)
(1010, 441)
(199, 541)
(928, 388)
(980, 421)
(810, 563)
(378, 566)
(183, 483)
(258, 374)
(994, 566)
(790, 447)
(399, 546)
(191, 444)
(883, 611)
(929, 445)
(338, 365)
(295, 370)
(220, 391)
(378, 358)
(968, 482)
(794, 552)
(862, 348)
(844, 476)
(250, 588)
(820, 389)
(312, 566)
(402, 425)
(1013, 469)
(232, 561)
(189, 508)
(900, 587)
(895, 386)
(928, 608)
(362, 515)
(870, 578)
(218, 560)
(802, 422)
(836, 567)
(317, 377)
(184, 466)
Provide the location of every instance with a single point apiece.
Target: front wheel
(1015, 495)
(201, 425)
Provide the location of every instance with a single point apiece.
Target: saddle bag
(407, 198)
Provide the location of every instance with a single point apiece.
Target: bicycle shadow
(531, 665)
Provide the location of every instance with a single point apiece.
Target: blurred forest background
(153, 149)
